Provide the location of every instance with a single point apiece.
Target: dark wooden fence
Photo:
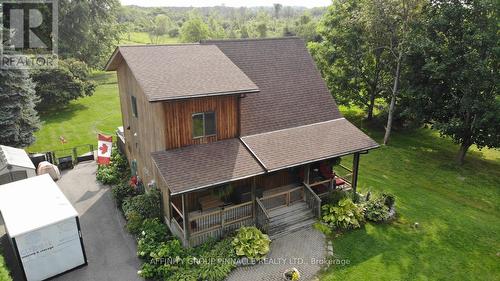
(65, 158)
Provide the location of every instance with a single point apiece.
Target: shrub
(211, 261)
(389, 199)
(147, 205)
(376, 210)
(153, 233)
(122, 191)
(169, 249)
(134, 222)
(222, 252)
(337, 195)
(107, 175)
(148, 271)
(344, 215)
(116, 172)
(251, 243)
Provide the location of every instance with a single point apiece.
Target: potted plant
(291, 274)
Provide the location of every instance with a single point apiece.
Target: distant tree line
(194, 24)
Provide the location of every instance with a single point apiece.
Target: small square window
(204, 124)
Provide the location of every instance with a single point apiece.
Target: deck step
(292, 228)
(288, 219)
(291, 220)
(288, 211)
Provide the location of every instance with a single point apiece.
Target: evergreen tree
(18, 118)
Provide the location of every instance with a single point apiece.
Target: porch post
(169, 206)
(307, 170)
(355, 169)
(254, 197)
(186, 219)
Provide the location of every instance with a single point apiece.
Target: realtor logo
(28, 34)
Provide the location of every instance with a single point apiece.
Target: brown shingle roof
(294, 146)
(182, 71)
(292, 92)
(198, 166)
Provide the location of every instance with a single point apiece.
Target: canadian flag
(104, 144)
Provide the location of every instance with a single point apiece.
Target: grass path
(81, 120)
(457, 208)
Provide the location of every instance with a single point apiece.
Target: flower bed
(163, 256)
(342, 213)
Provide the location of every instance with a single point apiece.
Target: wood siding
(178, 116)
(276, 179)
(146, 132)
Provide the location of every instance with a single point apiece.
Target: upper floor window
(134, 105)
(203, 124)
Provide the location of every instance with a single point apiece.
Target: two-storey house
(233, 133)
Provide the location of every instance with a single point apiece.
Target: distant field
(143, 38)
(81, 120)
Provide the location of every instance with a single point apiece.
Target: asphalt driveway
(111, 251)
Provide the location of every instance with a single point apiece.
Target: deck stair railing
(261, 216)
(312, 200)
(282, 199)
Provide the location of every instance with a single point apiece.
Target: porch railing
(312, 200)
(219, 222)
(344, 172)
(176, 226)
(262, 216)
(281, 199)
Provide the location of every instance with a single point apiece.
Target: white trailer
(15, 164)
(42, 226)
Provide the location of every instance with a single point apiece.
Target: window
(204, 124)
(134, 106)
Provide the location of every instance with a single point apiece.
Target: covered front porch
(261, 200)
(212, 189)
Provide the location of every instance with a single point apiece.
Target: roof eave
(324, 158)
(110, 66)
(215, 184)
(246, 91)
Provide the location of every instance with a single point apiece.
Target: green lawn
(81, 120)
(457, 208)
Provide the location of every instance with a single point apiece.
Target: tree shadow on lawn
(61, 114)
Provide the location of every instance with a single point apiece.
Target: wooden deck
(279, 210)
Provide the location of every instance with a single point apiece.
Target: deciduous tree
(351, 55)
(194, 29)
(455, 72)
(88, 30)
(57, 87)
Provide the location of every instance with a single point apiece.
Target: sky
(229, 3)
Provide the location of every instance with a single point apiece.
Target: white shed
(15, 165)
(42, 226)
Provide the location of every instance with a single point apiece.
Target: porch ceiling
(199, 166)
(300, 145)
